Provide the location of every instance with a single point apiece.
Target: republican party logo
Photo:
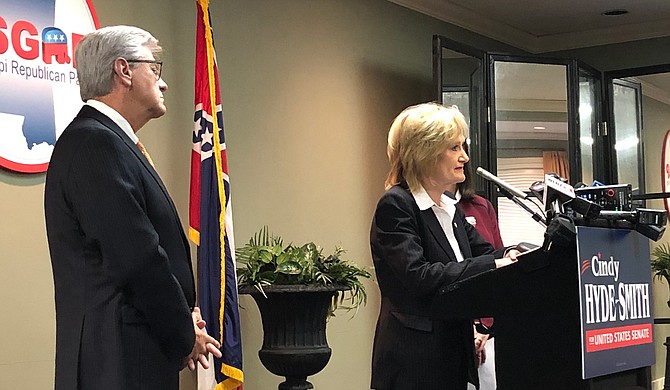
(39, 90)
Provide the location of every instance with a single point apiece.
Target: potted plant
(660, 263)
(296, 289)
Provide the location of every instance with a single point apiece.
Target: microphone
(501, 183)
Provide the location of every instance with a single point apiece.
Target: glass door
(532, 120)
(638, 104)
(590, 145)
(459, 79)
(528, 116)
(627, 129)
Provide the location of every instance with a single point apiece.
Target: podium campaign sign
(615, 301)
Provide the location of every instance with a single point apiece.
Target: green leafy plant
(660, 262)
(267, 261)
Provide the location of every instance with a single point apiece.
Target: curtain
(556, 162)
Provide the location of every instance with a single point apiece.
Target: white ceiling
(540, 26)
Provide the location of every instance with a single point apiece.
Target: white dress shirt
(444, 212)
(115, 117)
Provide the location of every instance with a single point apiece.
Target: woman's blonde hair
(418, 135)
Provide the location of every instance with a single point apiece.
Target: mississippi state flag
(210, 216)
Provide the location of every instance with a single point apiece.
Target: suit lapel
(438, 234)
(90, 112)
(461, 235)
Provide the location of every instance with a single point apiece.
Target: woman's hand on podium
(512, 254)
(509, 258)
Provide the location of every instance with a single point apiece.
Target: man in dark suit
(124, 288)
(421, 241)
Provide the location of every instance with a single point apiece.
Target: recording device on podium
(597, 205)
(556, 193)
(561, 198)
(610, 197)
(601, 206)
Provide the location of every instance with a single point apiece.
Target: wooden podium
(536, 306)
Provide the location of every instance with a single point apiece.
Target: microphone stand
(536, 217)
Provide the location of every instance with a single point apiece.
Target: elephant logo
(54, 45)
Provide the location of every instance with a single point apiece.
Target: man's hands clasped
(204, 344)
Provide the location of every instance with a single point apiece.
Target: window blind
(516, 225)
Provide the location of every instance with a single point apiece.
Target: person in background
(421, 241)
(123, 281)
(479, 212)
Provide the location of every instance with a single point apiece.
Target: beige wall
(309, 89)
(656, 122)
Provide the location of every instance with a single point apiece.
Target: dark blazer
(121, 263)
(412, 259)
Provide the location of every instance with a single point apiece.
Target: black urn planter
(294, 330)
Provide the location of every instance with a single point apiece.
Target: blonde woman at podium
(421, 241)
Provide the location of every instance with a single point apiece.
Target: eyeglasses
(157, 68)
